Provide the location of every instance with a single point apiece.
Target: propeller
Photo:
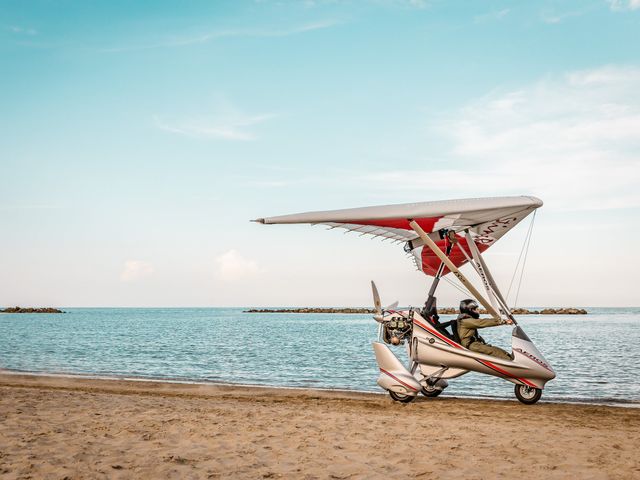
(393, 306)
(376, 302)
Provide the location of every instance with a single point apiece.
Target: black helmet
(469, 307)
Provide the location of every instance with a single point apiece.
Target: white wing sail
(487, 219)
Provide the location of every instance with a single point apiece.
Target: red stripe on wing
(425, 223)
(431, 263)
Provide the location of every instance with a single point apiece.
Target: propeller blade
(376, 299)
(393, 306)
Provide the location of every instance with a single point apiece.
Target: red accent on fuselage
(437, 334)
(505, 373)
(398, 380)
(484, 362)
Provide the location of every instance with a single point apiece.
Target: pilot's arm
(481, 322)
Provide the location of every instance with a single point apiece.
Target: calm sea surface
(596, 356)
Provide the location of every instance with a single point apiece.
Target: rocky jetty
(563, 311)
(311, 310)
(30, 310)
(441, 311)
(524, 311)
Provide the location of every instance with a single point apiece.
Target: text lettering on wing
(499, 223)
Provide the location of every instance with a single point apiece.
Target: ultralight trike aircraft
(454, 232)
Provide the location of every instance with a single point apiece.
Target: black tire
(399, 397)
(431, 392)
(528, 395)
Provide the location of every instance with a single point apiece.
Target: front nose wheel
(528, 395)
(399, 397)
(431, 391)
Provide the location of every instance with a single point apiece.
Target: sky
(139, 138)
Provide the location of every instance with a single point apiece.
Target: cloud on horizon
(134, 270)
(231, 266)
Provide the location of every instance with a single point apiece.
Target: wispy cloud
(492, 16)
(232, 266)
(553, 17)
(621, 5)
(573, 140)
(417, 4)
(267, 183)
(22, 30)
(206, 37)
(236, 128)
(134, 270)
(195, 39)
(226, 122)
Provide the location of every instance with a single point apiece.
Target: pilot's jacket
(469, 338)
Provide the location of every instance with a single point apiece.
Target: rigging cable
(515, 270)
(525, 258)
(462, 289)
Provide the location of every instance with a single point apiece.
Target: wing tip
(536, 201)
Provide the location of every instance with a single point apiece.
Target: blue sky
(139, 139)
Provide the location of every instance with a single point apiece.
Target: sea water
(596, 356)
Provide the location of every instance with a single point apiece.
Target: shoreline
(307, 389)
(52, 427)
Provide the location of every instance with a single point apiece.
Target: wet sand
(57, 427)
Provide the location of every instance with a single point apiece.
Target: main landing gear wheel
(399, 397)
(431, 391)
(528, 395)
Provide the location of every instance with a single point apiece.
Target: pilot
(468, 323)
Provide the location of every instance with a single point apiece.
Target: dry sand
(55, 427)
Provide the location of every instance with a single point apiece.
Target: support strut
(431, 298)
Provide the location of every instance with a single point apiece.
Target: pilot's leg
(489, 350)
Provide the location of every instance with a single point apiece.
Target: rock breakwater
(30, 310)
(441, 311)
(311, 310)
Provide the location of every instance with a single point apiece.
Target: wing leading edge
(487, 219)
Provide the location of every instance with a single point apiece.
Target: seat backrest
(451, 335)
(454, 327)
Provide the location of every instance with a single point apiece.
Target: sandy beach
(59, 427)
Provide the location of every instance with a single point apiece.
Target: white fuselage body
(438, 357)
